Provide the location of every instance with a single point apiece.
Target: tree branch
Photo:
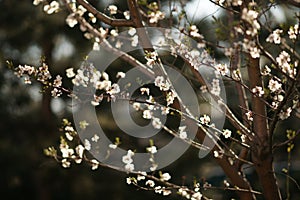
(104, 18)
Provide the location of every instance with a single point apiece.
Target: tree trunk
(262, 156)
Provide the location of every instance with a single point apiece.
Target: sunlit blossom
(112, 9)
(87, 144)
(95, 138)
(152, 149)
(293, 32)
(274, 85)
(249, 115)
(258, 91)
(205, 119)
(196, 196)
(129, 167)
(147, 114)
(150, 183)
(165, 176)
(275, 37)
(284, 114)
(226, 133)
(52, 7)
(95, 164)
(65, 163)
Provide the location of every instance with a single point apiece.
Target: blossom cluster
(69, 149)
(42, 75)
(229, 2)
(154, 14)
(88, 76)
(128, 161)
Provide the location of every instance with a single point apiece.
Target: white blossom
(285, 114)
(87, 144)
(130, 153)
(52, 7)
(129, 167)
(165, 176)
(112, 9)
(80, 10)
(134, 40)
(196, 196)
(141, 176)
(127, 159)
(152, 149)
(57, 82)
(154, 17)
(243, 138)
(163, 84)
(275, 37)
(37, 2)
(92, 18)
(112, 146)
(97, 100)
(274, 85)
(79, 150)
(266, 71)
(293, 32)
(136, 106)
(95, 164)
(250, 47)
(115, 89)
(132, 31)
(147, 114)
(164, 110)
(95, 138)
(150, 183)
(56, 92)
(66, 151)
(70, 72)
(222, 68)
(158, 189)
(170, 97)
(128, 180)
(215, 87)
(114, 32)
(216, 154)
(145, 90)
(205, 119)
(249, 115)
(226, 133)
(71, 20)
(283, 57)
(153, 167)
(96, 46)
(184, 192)
(126, 14)
(156, 123)
(120, 75)
(182, 132)
(258, 91)
(166, 192)
(226, 183)
(194, 32)
(65, 163)
(27, 80)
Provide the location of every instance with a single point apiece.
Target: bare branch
(287, 141)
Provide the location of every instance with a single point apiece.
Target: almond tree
(267, 91)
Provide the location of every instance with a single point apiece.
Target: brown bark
(261, 151)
